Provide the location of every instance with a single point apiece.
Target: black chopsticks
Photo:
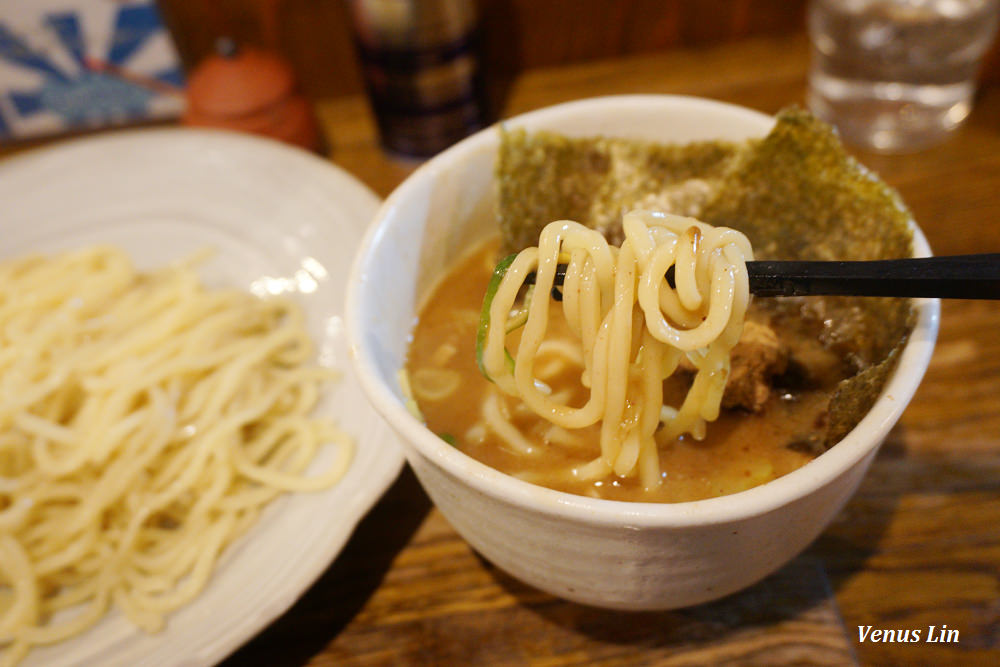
(949, 277)
(954, 277)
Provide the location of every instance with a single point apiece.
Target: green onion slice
(484, 315)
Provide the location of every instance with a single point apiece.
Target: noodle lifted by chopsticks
(633, 330)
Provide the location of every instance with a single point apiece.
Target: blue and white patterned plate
(76, 64)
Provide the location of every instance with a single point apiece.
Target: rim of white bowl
(865, 438)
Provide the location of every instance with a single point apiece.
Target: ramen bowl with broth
(609, 553)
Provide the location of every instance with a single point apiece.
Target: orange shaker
(250, 90)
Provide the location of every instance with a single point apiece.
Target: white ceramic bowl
(606, 553)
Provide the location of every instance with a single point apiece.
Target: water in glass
(897, 75)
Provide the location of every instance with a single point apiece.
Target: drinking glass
(897, 75)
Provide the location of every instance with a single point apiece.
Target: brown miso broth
(742, 449)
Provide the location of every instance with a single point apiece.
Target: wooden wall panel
(517, 34)
(314, 35)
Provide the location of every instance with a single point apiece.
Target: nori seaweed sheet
(796, 194)
(545, 176)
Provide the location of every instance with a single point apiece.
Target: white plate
(277, 218)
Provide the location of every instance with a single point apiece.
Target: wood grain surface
(318, 39)
(918, 545)
(516, 35)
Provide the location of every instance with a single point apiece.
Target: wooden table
(919, 544)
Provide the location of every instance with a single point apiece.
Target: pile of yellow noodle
(144, 423)
(633, 330)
